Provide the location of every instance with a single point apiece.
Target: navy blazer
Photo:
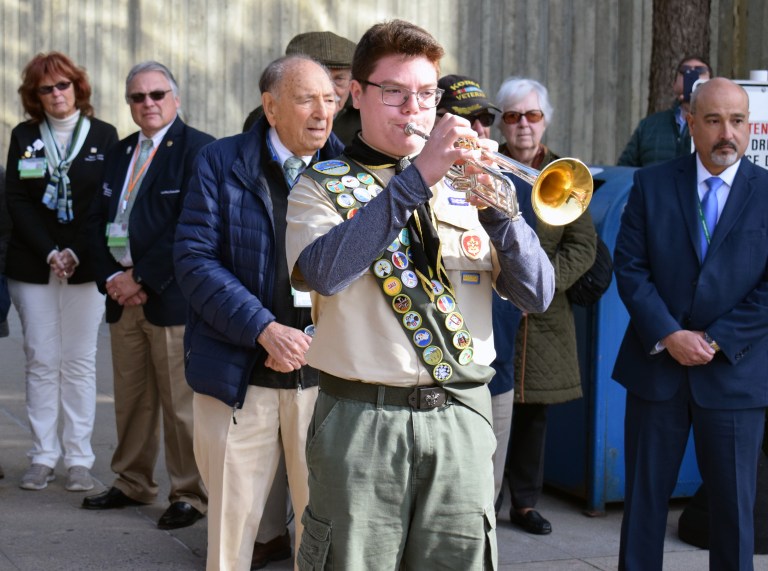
(666, 287)
(152, 223)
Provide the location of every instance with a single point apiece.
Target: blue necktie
(293, 167)
(709, 209)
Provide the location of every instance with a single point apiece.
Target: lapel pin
(128, 150)
(169, 144)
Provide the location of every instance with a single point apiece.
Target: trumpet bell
(562, 191)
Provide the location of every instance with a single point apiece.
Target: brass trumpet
(561, 191)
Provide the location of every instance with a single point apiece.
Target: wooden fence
(592, 54)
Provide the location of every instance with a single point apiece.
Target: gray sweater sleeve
(336, 259)
(527, 277)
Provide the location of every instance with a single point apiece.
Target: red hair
(53, 63)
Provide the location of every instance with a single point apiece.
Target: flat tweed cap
(326, 47)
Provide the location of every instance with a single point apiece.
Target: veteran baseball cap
(329, 49)
(463, 96)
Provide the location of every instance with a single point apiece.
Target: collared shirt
(702, 174)
(281, 151)
(358, 335)
(126, 260)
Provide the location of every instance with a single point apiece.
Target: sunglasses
(48, 89)
(486, 119)
(700, 69)
(514, 117)
(158, 95)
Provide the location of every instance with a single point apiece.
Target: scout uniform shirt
(357, 334)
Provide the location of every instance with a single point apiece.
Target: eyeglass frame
(438, 94)
(61, 86)
(521, 115)
(155, 95)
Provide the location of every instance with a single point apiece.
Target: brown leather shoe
(275, 549)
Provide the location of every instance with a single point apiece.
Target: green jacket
(657, 138)
(546, 361)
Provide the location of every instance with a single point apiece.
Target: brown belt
(419, 398)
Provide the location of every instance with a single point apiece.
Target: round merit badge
(445, 303)
(351, 212)
(432, 355)
(442, 372)
(454, 321)
(382, 268)
(332, 168)
(461, 339)
(362, 194)
(400, 260)
(335, 186)
(412, 320)
(374, 189)
(465, 357)
(405, 238)
(345, 200)
(401, 303)
(422, 337)
(350, 182)
(437, 287)
(392, 286)
(365, 178)
(409, 279)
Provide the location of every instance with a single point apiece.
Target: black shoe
(531, 521)
(178, 514)
(111, 499)
(273, 550)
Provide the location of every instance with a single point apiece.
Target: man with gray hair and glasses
(132, 226)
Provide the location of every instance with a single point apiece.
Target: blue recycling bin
(585, 438)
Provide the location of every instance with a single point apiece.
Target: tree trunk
(680, 29)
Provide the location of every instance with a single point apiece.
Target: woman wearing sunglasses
(55, 166)
(546, 362)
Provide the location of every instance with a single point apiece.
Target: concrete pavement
(46, 529)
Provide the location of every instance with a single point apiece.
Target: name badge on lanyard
(32, 168)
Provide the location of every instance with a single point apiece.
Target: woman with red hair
(55, 166)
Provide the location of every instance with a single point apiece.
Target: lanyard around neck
(136, 176)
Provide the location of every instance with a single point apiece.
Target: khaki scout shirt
(357, 335)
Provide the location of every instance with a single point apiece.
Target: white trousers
(237, 461)
(60, 325)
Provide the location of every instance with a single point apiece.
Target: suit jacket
(666, 287)
(36, 230)
(152, 223)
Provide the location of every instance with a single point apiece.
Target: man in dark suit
(132, 230)
(692, 268)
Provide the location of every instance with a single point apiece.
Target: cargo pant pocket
(491, 553)
(315, 543)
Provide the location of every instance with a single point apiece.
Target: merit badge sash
(425, 306)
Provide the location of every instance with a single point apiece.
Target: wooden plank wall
(592, 54)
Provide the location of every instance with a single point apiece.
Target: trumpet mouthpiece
(412, 129)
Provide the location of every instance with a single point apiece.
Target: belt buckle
(427, 397)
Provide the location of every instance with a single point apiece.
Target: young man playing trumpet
(400, 270)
